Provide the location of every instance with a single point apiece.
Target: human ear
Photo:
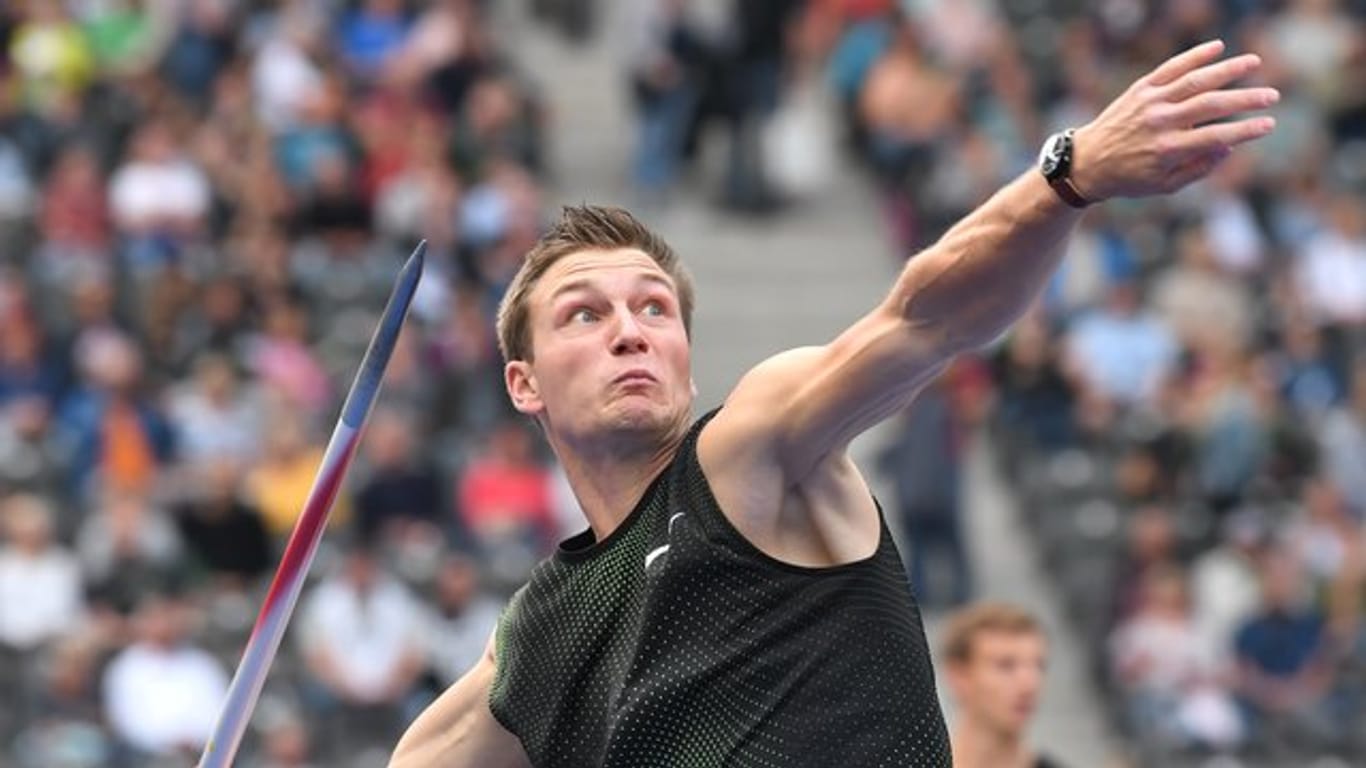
(522, 388)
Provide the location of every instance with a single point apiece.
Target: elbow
(942, 327)
(938, 337)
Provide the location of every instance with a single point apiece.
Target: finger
(1186, 61)
(1209, 137)
(1212, 77)
(1217, 105)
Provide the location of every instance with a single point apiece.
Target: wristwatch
(1055, 163)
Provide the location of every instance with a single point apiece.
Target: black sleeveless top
(676, 643)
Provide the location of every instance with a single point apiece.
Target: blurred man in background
(995, 656)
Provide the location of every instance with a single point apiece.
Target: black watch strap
(1057, 168)
(1068, 192)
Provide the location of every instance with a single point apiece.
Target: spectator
(1203, 306)
(279, 483)
(996, 655)
(75, 224)
(17, 196)
(909, 106)
(121, 439)
(372, 35)
(1036, 397)
(1343, 443)
(462, 622)
(1285, 661)
(162, 693)
(756, 60)
(32, 458)
(402, 498)
(68, 727)
(504, 497)
(1228, 423)
(288, 744)
(219, 323)
(1174, 696)
(1152, 546)
(665, 61)
(127, 547)
(1121, 352)
(51, 56)
(40, 581)
(285, 363)
(924, 460)
(285, 70)
(1309, 383)
(214, 415)
(29, 365)
(1332, 265)
(159, 198)
(1321, 533)
(1225, 586)
(360, 633)
(1236, 238)
(225, 539)
(200, 47)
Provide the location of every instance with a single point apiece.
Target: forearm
(1167, 130)
(985, 272)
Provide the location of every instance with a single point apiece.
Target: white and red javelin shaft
(303, 542)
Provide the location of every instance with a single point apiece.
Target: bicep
(459, 730)
(806, 404)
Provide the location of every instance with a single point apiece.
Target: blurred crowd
(203, 204)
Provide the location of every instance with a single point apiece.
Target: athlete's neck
(609, 482)
(977, 745)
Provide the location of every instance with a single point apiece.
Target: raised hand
(1168, 129)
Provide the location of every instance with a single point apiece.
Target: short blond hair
(580, 228)
(965, 626)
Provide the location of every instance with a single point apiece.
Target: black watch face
(1051, 156)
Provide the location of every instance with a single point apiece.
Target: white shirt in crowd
(1170, 653)
(161, 699)
(1332, 277)
(454, 644)
(40, 596)
(1225, 593)
(141, 192)
(369, 637)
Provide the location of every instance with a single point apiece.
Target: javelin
(303, 542)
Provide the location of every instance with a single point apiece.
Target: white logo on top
(657, 551)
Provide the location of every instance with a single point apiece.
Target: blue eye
(583, 315)
(654, 309)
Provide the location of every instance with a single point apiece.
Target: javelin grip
(308, 529)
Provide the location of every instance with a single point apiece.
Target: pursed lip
(635, 375)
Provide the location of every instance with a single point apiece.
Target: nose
(627, 336)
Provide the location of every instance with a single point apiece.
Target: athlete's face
(609, 350)
(999, 682)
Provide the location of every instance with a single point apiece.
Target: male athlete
(737, 600)
(994, 658)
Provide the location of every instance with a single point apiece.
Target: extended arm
(806, 405)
